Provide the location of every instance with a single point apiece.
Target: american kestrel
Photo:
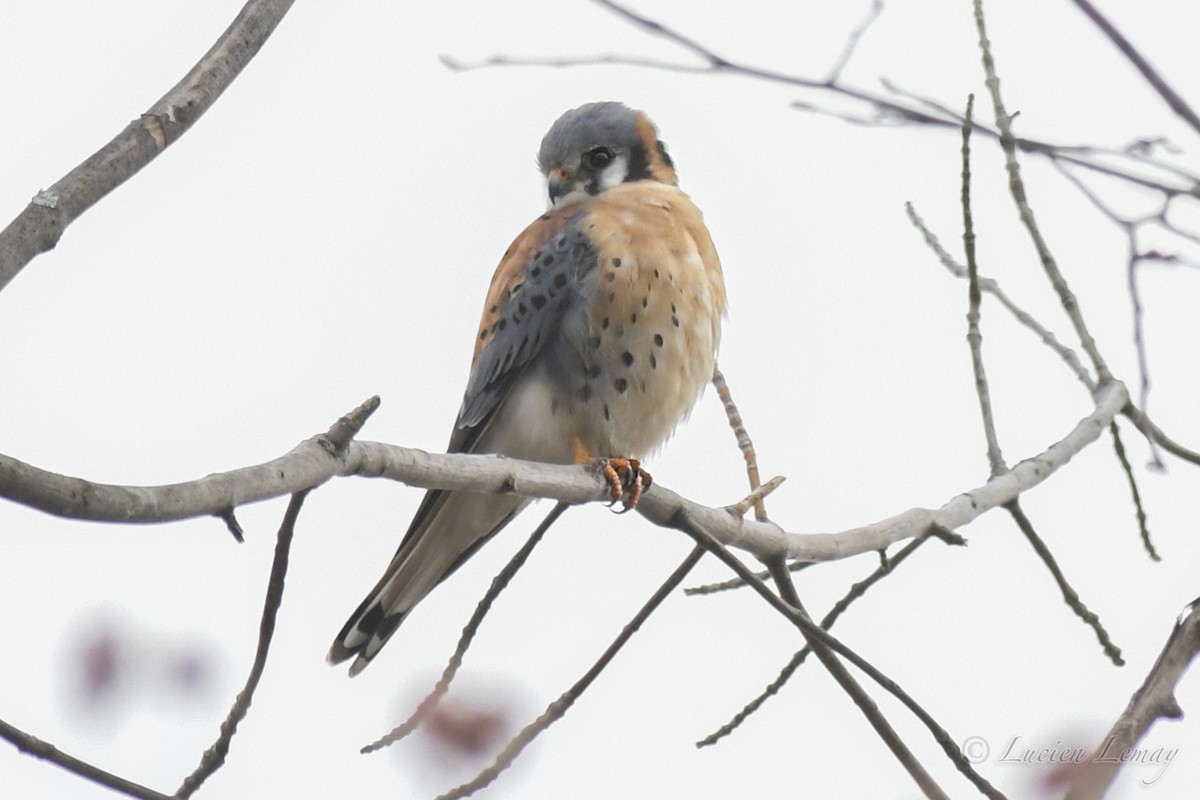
(599, 333)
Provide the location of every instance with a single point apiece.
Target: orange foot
(627, 479)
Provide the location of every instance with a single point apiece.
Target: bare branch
(992, 287)
(1177, 103)
(1127, 468)
(309, 465)
(857, 590)
(974, 335)
(744, 444)
(1154, 700)
(812, 632)
(1017, 188)
(39, 227)
(1070, 596)
(214, 756)
(48, 752)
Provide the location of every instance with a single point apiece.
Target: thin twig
(214, 757)
(886, 109)
(852, 41)
(738, 583)
(1173, 99)
(755, 498)
(1016, 187)
(1139, 510)
(1070, 596)
(560, 706)
(38, 748)
(856, 591)
(743, 441)
(812, 631)
(992, 287)
(974, 335)
(499, 583)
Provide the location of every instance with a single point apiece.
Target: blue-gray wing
(537, 281)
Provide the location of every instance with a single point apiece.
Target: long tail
(447, 529)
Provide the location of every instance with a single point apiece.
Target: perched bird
(599, 333)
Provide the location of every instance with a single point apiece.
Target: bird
(599, 333)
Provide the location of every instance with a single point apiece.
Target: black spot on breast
(548, 259)
(522, 309)
(645, 302)
(673, 311)
(616, 262)
(594, 371)
(607, 415)
(610, 276)
(502, 324)
(538, 301)
(535, 272)
(675, 321)
(633, 318)
(653, 362)
(627, 358)
(656, 273)
(658, 340)
(620, 384)
(604, 324)
(560, 280)
(483, 334)
(593, 342)
(493, 309)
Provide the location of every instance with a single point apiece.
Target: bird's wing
(533, 286)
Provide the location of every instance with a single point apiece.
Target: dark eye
(597, 158)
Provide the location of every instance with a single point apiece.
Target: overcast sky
(327, 232)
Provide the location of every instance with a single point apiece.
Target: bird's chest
(647, 333)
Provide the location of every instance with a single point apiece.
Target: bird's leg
(625, 476)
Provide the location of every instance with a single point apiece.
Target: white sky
(327, 232)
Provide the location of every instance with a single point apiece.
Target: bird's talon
(626, 481)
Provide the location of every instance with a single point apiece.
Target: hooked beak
(559, 184)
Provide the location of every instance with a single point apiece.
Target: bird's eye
(597, 158)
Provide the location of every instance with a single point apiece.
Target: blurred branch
(559, 707)
(1177, 103)
(1154, 700)
(896, 108)
(499, 583)
(38, 228)
(48, 752)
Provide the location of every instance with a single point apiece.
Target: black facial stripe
(639, 164)
(662, 152)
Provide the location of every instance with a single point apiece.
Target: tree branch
(1154, 700)
(310, 464)
(38, 228)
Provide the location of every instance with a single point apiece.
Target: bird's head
(598, 146)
